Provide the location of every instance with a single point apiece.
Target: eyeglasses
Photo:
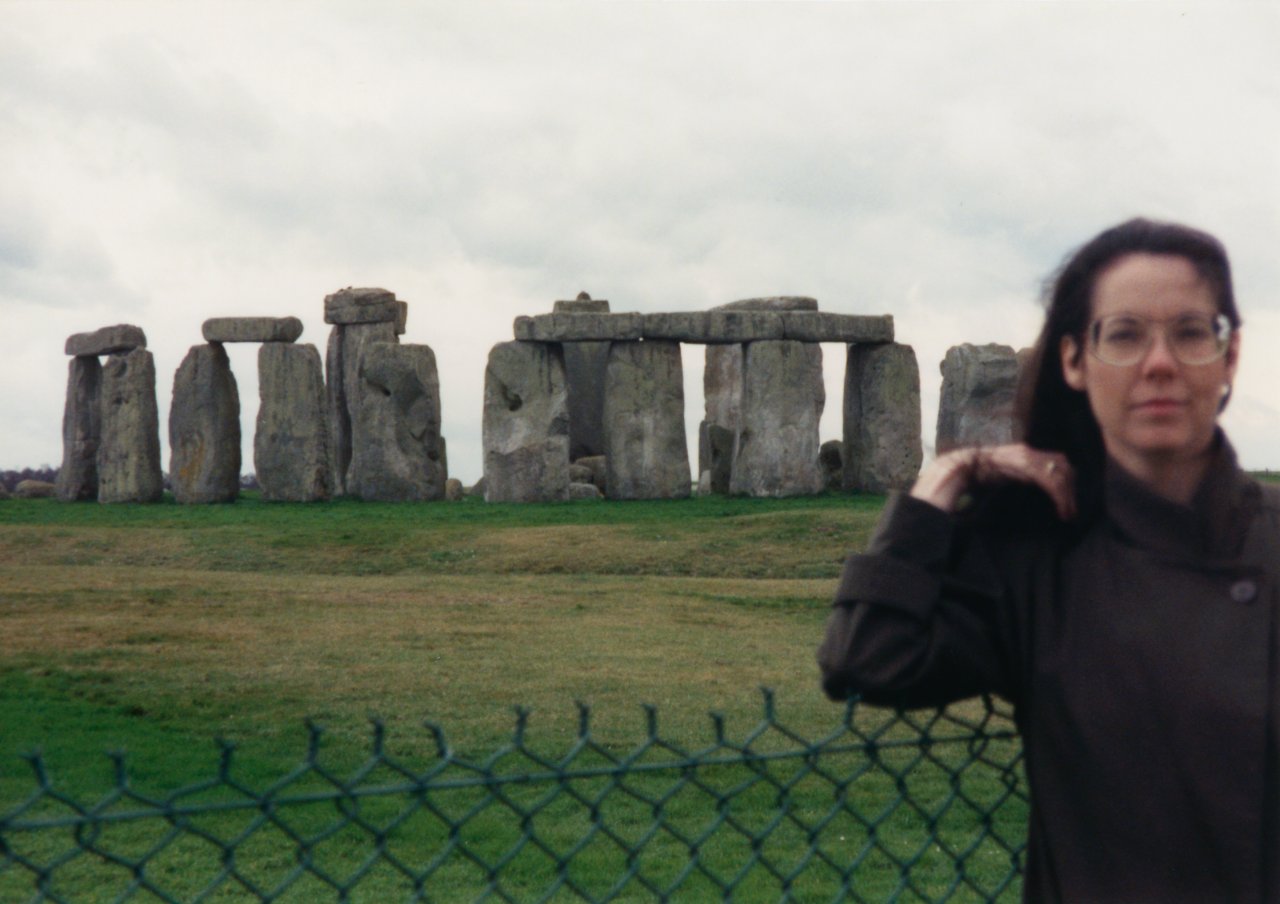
(1125, 339)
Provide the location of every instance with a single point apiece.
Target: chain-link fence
(888, 806)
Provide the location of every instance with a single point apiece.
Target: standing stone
(346, 343)
(782, 399)
(204, 428)
(81, 431)
(396, 451)
(584, 369)
(645, 449)
(882, 446)
(291, 444)
(979, 384)
(129, 451)
(722, 398)
(831, 457)
(526, 424)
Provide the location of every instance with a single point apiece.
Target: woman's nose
(1159, 357)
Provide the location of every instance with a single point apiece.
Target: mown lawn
(157, 629)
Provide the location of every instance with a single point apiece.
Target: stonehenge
(979, 384)
(583, 402)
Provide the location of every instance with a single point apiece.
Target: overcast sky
(169, 162)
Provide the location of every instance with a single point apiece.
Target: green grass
(156, 629)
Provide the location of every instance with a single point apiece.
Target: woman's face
(1157, 411)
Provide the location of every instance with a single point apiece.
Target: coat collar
(1212, 526)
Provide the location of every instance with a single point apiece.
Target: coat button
(1244, 591)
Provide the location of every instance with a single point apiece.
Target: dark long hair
(1050, 414)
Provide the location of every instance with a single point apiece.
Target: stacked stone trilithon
(383, 402)
(110, 426)
(979, 386)
(764, 395)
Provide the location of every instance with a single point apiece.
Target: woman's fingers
(951, 475)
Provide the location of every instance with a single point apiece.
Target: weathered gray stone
(396, 453)
(583, 304)
(129, 450)
(882, 445)
(743, 326)
(526, 424)
(831, 458)
(34, 489)
(583, 327)
(580, 473)
(351, 306)
(110, 340)
(584, 491)
(251, 329)
(815, 326)
(291, 454)
(722, 400)
(477, 488)
(644, 437)
(453, 490)
(81, 431)
(979, 383)
(718, 442)
(682, 326)
(346, 343)
(204, 428)
(776, 453)
(771, 303)
(599, 467)
(584, 367)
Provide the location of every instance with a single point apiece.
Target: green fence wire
(923, 806)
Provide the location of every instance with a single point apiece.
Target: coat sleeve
(915, 620)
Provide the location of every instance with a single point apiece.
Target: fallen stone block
(34, 489)
(251, 329)
(110, 340)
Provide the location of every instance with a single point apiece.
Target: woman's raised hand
(954, 473)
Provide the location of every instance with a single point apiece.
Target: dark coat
(1140, 654)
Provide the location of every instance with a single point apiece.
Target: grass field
(156, 629)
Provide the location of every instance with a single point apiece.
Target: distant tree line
(10, 479)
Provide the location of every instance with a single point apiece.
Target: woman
(1114, 576)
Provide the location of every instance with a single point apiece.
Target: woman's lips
(1160, 406)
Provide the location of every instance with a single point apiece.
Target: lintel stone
(743, 326)
(365, 306)
(584, 327)
(110, 340)
(815, 326)
(682, 326)
(772, 303)
(251, 329)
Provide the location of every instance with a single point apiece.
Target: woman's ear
(1233, 356)
(1072, 363)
